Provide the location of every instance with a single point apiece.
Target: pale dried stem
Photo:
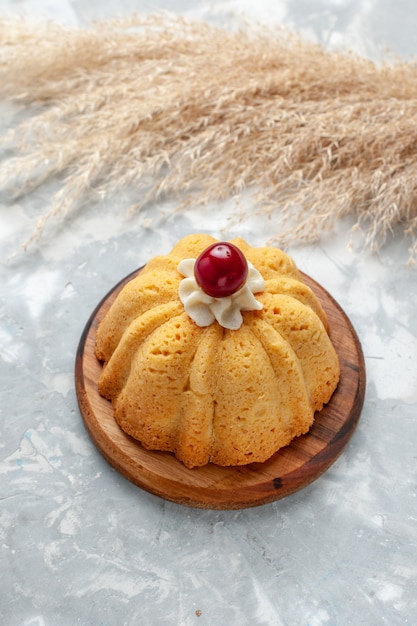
(172, 107)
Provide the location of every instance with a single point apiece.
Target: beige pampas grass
(185, 109)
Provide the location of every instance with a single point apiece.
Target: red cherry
(221, 270)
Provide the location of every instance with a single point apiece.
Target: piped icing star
(203, 309)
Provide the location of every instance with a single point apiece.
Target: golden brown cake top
(158, 284)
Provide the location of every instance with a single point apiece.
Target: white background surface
(81, 545)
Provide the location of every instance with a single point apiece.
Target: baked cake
(216, 372)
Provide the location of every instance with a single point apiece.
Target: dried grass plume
(185, 109)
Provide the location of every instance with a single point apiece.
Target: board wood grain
(213, 487)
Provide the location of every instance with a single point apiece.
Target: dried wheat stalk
(173, 107)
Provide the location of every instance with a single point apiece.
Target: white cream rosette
(204, 309)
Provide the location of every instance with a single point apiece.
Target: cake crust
(209, 394)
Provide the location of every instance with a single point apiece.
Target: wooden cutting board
(213, 487)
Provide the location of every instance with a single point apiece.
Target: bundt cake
(221, 366)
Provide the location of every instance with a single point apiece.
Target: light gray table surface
(79, 544)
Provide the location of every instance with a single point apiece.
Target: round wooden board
(213, 487)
